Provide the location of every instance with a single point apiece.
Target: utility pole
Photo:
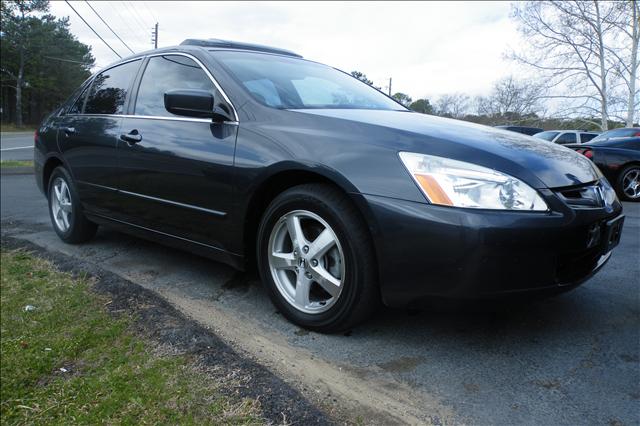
(154, 36)
(389, 86)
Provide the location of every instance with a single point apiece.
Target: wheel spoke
(283, 260)
(322, 244)
(295, 231)
(303, 287)
(327, 281)
(58, 192)
(65, 219)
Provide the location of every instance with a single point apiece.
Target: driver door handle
(132, 137)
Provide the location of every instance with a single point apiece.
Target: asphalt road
(16, 145)
(574, 359)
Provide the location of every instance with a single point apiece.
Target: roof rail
(226, 44)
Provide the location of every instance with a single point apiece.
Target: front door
(176, 172)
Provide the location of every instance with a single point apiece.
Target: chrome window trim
(204, 68)
(154, 117)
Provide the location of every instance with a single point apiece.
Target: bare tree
(512, 100)
(625, 60)
(570, 43)
(454, 105)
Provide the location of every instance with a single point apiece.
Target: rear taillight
(636, 134)
(35, 137)
(588, 153)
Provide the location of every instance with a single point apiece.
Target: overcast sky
(427, 48)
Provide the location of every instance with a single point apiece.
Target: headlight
(456, 183)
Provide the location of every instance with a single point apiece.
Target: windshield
(617, 133)
(548, 136)
(289, 83)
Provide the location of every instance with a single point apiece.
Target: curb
(25, 170)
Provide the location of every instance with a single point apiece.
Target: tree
(626, 60)
(455, 105)
(511, 100)
(403, 98)
(422, 105)
(570, 45)
(29, 45)
(362, 77)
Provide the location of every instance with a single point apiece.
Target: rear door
(177, 179)
(88, 135)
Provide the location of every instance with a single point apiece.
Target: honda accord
(340, 196)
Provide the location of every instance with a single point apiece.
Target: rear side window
(586, 137)
(165, 73)
(109, 89)
(566, 138)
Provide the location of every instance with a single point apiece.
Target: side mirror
(190, 103)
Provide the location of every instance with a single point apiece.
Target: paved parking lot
(574, 359)
(16, 146)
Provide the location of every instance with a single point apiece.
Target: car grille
(582, 196)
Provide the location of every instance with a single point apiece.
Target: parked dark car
(340, 195)
(566, 137)
(522, 129)
(617, 155)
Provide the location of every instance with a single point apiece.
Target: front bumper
(426, 251)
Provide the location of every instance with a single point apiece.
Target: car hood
(538, 162)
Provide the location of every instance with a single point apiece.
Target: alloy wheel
(306, 261)
(61, 204)
(631, 183)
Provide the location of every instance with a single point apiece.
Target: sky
(428, 49)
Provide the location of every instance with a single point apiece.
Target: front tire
(65, 209)
(628, 185)
(316, 259)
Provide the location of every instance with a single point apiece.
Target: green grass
(15, 163)
(113, 375)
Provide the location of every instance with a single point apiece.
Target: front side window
(109, 89)
(566, 138)
(165, 73)
(289, 83)
(586, 137)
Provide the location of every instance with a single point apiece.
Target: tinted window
(109, 89)
(586, 137)
(619, 133)
(548, 136)
(76, 108)
(284, 82)
(165, 73)
(566, 138)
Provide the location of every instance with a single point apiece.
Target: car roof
(235, 45)
(191, 45)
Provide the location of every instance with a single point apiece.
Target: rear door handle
(132, 137)
(69, 131)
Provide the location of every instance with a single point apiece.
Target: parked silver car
(564, 137)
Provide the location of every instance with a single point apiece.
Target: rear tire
(628, 185)
(329, 289)
(65, 209)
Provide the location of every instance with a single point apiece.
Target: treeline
(42, 62)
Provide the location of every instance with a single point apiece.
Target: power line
(135, 10)
(111, 29)
(129, 29)
(94, 31)
(153, 15)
